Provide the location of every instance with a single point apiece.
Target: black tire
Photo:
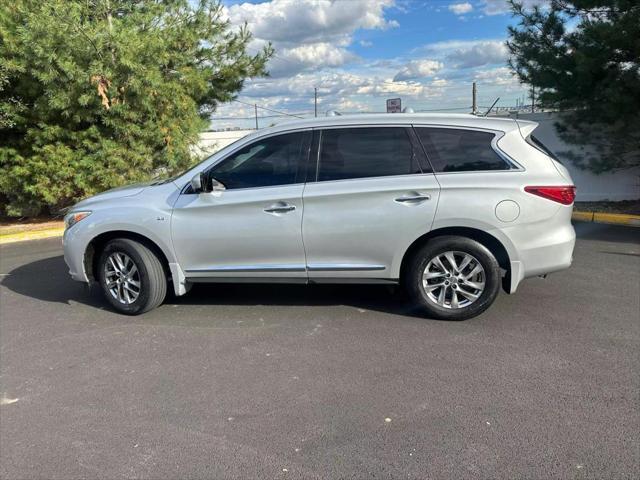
(439, 245)
(152, 277)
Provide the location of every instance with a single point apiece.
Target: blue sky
(358, 53)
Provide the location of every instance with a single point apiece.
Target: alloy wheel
(122, 278)
(453, 279)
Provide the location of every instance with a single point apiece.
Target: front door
(374, 195)
(253, 227)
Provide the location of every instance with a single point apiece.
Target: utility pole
(255, 109)
(315, 101)
(533, 99)
(474, 103)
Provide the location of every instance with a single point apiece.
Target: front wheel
(131, 276)
(453, 278)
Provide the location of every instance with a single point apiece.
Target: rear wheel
(131, 276)
(453, 278)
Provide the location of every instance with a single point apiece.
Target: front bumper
(74, 249)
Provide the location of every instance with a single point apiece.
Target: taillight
(564, 195)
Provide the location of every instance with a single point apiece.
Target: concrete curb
(608, 218)
(31, 235)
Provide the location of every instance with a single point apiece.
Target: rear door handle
(413, 198)
(280, 207)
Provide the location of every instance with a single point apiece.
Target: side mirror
(203, 183)
(197, 182)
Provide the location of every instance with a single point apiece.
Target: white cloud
(440, 82)
(312, 39)
(460, 8)
(311, 56)
(501, 76)
(500, 7)
(294, 21)
(479, 54)
(457, 54)
(309, 34)
(418, 69)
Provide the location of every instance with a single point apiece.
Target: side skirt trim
(295, 280)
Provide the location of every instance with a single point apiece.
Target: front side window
(264, 163)
(366, 152)
(459, 150)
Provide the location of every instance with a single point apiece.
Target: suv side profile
(451, 206)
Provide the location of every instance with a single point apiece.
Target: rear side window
(458, 150)
(366, 152)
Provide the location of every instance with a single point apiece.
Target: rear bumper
(543, 253)
(550, 258)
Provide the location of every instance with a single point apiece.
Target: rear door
(372, 195)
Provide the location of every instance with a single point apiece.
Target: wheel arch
(495, 246)
(97, 243)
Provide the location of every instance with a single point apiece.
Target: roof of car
(458, 120)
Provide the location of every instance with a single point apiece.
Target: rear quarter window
(536, 143)
(460, 150)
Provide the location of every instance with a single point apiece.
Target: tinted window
(456, 150)
(365, 152)
(268, 162)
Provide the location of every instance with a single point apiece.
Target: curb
(608, 218)
(31, 235)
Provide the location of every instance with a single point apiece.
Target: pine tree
(98, 93)
(583, 58)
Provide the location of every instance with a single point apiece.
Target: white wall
(211, 142)
(623, 185)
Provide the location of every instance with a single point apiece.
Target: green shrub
(95, 94)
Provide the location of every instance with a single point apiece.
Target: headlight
(74, 217)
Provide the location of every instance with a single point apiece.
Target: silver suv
(451, 206)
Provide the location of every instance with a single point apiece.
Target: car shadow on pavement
(48, 280)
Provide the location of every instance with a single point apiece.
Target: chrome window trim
(343, 267)
(249, 268)
(358, 179)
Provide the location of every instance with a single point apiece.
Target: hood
(125, 191)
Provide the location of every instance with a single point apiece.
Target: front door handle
(413, 197)
(280, 207)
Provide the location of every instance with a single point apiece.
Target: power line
(265, 108)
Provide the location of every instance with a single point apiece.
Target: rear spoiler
(526, 127)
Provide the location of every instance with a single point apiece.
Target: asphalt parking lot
(322, 382)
